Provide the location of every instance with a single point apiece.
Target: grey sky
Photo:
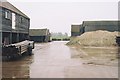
(58, 16)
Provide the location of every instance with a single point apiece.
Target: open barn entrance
(23, 37)
(5, 38)
(14, 37)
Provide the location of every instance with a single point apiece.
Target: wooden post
(17, 37)
(10, 42)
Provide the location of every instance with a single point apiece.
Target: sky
(58, 15)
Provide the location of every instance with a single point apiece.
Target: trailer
(18, 49)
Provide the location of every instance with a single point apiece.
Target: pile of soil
(98, 38)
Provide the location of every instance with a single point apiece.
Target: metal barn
(100, 25)
(39, 35)
(87, 26)
(77, 30)
(14, 24)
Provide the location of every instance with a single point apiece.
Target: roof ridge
(11, 7)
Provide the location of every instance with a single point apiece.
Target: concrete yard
(54, 60)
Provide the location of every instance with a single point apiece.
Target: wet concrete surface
(17, 69)
(55, 60)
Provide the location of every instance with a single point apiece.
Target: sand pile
(96, 38)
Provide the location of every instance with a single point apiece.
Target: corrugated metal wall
(38, 38)
(101, 25)
(94, 28)
(39, 35)
(87, 26)
(77, 30)
(0, 41)
(22, 24)
(21, 31)
(6, 23)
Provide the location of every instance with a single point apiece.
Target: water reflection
(18, 68)
(56, 60)
(97, 55)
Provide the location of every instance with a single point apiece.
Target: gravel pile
(98, 38)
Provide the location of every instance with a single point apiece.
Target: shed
(39, 35)
(77, 30)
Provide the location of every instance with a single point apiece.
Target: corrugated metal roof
(100, 23)
(9, 6)
(38, 32)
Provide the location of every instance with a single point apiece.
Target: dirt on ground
(96, 48)
(98, 38)
(107, 56)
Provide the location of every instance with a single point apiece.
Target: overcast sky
(59, 15)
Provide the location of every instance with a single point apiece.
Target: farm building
(40, 35)
(100, 25)
(14, 24)
(76, 30)
(87, 26)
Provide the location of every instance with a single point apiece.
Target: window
(21, 19)
(7, 14)
(13, 21)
